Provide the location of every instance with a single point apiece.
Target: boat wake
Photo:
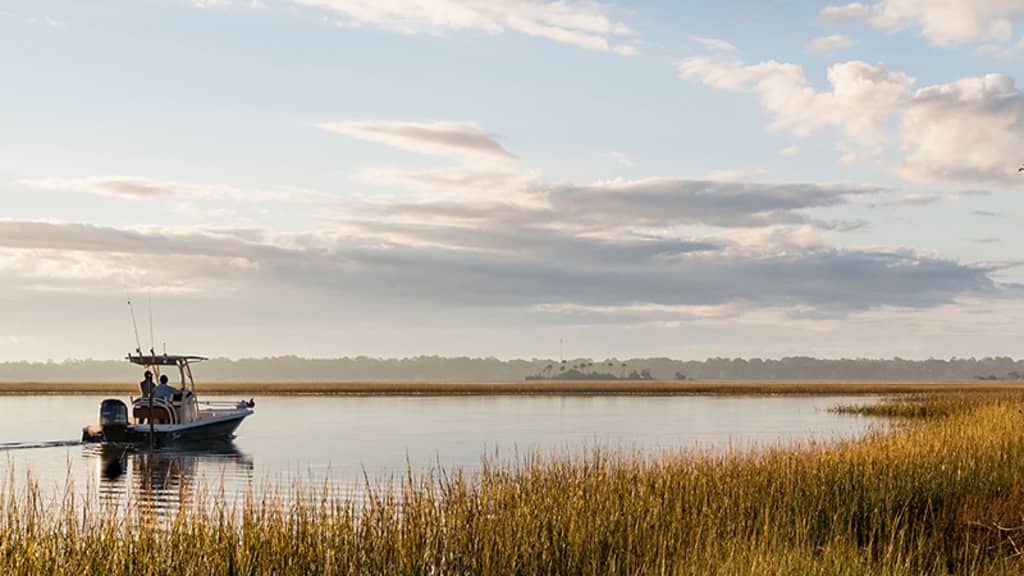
(7, 446)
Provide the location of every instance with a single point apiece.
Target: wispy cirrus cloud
(713, 44)
(447, 139)
(584, 24)
(661, 202)
(137, 188)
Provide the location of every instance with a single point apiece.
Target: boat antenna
(152, 346)
(135, 326)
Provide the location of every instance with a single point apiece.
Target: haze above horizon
(459, 178)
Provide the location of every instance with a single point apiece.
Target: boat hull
(220, 427)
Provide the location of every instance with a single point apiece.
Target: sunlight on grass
(944, 494)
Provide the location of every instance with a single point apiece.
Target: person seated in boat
(165, 390)
(147, 383)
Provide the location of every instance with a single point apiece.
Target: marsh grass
(944, 494)
(918, 406)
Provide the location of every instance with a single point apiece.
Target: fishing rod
(138, 349)
(135, 327)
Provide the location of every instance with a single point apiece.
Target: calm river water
(339, 438)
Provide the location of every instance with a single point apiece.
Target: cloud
(661, 202)
(790, 151)
(828, 44)
(583, 24)
(76, 257)
(862, 96)
(613, 206)
(970, 130)
(913, 199)
(966, 132)
(605, 245)
(464, 239)
(538, 269)
(79, 237)
(119, 186)
(484, 167)
(447, 139)
(1002, 50)
(509, 184)
(133, 187)
(946, 23)
(713, 44)
(852, 11)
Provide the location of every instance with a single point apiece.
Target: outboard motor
(114, 420)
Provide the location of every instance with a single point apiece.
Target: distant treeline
(436, 368)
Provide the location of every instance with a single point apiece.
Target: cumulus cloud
(862, 95)
(970, 130)
(965, 132)
(946, 23)
(828, 44)
(583, 24)
(448, 139)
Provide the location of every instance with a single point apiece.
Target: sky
(395, 178)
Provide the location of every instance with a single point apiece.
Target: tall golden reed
(944, 494)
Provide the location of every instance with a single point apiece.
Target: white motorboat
(167, 415)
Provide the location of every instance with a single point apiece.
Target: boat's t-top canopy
(155, 361)
(164, 360)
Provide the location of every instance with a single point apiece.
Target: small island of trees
(608, 370)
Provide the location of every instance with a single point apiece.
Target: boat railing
(147, 404)
(222, 404)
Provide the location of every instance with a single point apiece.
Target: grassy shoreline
(552, 388)
(944, 494)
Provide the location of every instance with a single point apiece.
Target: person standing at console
(147, 383)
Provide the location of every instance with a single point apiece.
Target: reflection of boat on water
(166, 415)
(168, 472)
